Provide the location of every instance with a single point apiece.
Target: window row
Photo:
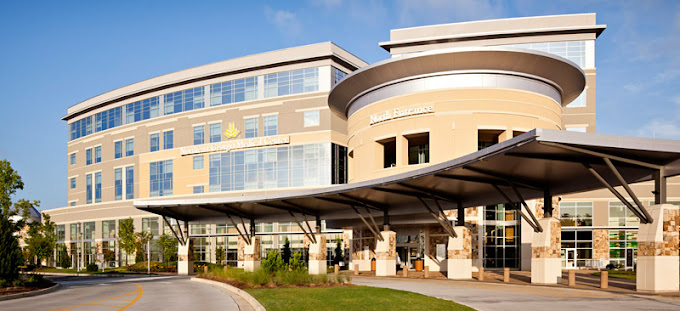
(418, 150)
(123, 181)
(107, 229)
(234, 91)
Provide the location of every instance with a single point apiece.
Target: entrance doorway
(569, 258)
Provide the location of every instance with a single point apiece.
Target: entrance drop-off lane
(144, 293)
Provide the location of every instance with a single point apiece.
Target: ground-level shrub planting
(155, 267)
(261, 279)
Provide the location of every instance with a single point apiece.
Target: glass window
(150, 225)
(88, 188)
(199, 134)
(72, 203)
(233, 91)
(75, 232)
(338, 75)
(108, 119)
(185, 100)
(251, 127)
(622, 245)
(576, 248)
(80, 128)
(215, 132)
(142, 110)
(97, 154)
(88, 156)
(312, 118)
(419, 149)
(129, 182)
(160, 178)
(118, 183)
(154, 142)
(198, 162)
(97, 187)
(129, 147)
(61, 233)
(88, 230)
(72, 158)
(168, 140)
(270, 125)
(118, 149)
(576, 214)
(291, 82)
(108, 229)
(73, 182)
(621, 216)
(198, 189)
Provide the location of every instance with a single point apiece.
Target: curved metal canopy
(537, 161)
(566, 76)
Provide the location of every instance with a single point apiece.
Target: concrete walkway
(499, 296)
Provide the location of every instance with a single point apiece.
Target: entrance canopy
(538, 164)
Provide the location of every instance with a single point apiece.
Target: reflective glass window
(154, 142)
(160, 178)
(97, 187)
(251, 127)
(185, 100)
(311, 118)
(88, 188)
(88, 156)
(142, 110)
(198, 189)
(168, 140)
(72, 158)
(129, 147)
(198, 162)
(215, 132)
(130, 182)
(199, 134)
(97, 154)
(118, 149)
(233, 91)
(291, 82)
(118, 183)
(73, 182)
(270, 125)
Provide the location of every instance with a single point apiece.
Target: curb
(252, 301)
(95, 275)
(32, 293)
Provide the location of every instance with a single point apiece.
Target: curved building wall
(452, 123)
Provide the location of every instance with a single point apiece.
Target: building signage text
(239, 144)
(397, 113)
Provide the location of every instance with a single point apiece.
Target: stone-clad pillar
(459, 254)
(386, 254)
(546, 265)
(317, 255)
(657, 259)
(251, 254)
(185, 258)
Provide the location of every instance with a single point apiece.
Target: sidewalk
(494, 295)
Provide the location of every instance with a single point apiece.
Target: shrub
(296, 263)
(273, 263)
(295, 277)
(92, 267)
(64, 258)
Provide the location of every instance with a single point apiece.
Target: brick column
(546, 265)
(601, 246)
(459, 254)
(386, 254)
(185, 258)
(317, 255)
(251, 254)
(657, 259)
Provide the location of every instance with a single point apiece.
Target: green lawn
(348, 298)
(621, 274)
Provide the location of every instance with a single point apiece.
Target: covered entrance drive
(538, 164)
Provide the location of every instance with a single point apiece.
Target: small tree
(286, 251)
(220, 254)
(141, 240)
(10, 253)
(42, 237)
(64, 258)
(273, 263)
(337, 258)
(109, 256)
(168, 245)
(126, 236)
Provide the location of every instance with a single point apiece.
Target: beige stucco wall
(453, 127)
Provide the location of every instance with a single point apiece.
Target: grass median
(620, 274)
(347, 298)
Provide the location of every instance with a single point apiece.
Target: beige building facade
(313, 116)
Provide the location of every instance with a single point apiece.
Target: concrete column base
(459, 255)
(317, 256)
(185, 259)
(251, 255)
(386, 254)
(546, 264)
(657, 260)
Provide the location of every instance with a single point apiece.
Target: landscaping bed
(25, 283)
(620, 274)
(281, 279)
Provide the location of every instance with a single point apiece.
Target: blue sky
(54, 54)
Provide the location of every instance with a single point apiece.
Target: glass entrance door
(570, 258)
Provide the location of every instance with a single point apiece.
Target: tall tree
(10, 253)
(126, 236)
(141, 239)
(338, 253)
(286, 251)
(168, 246)
(42, 236)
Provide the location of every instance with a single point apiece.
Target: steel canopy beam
(180, 240)
(628, 189)
(617, 194)
(442, 222)
(602, 155)
(364, 202)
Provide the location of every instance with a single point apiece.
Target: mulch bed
(243, 285)
(20, 289)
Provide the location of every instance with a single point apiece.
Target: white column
(459, 254)
(317, 255)
(251, 255)
(546, 265)
(657, 259)
(386, 254)
(185, 258)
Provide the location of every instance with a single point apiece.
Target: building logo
(231, 131)
(228, 146)
(397, 113)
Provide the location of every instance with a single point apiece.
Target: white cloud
(633, 88)
(286, 22)
(668, 129)
(447, 11)
(327, 3)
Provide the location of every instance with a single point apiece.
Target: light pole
(148, 256)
